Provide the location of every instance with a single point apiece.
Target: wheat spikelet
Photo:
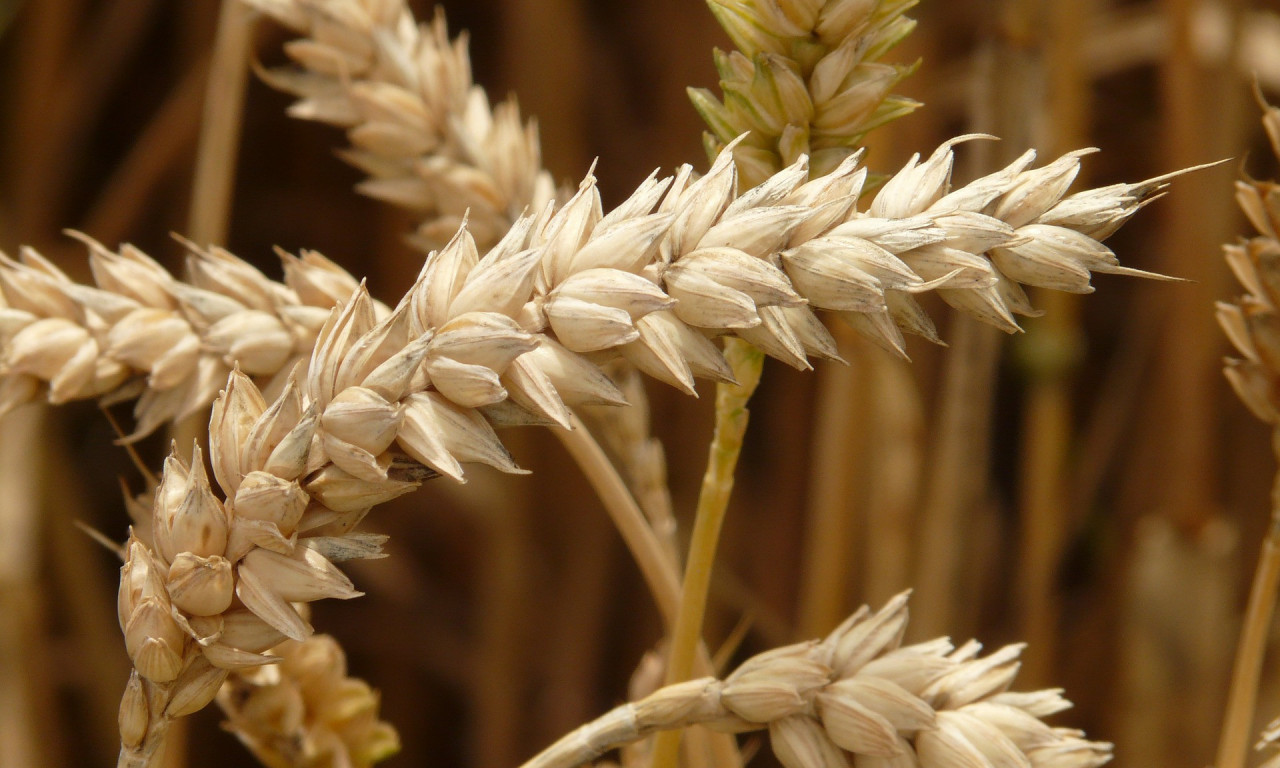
(859, 694)
(192, 600)
(418, 125)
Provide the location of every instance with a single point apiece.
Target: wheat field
(1090, 486)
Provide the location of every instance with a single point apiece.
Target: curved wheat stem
(727, 439)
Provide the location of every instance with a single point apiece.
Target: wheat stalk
(626, 434)
(1253, 326)
(803, 81)
(860, 693)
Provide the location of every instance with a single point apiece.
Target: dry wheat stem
(656, 565)
(626, 433)
(1252, 323)
(859, 693)
(713, 504)
(1242, 698)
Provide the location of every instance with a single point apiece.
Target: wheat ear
(299, 708)
(418, 126)
(680, 259)
(1252, 323)
(142, 333)
(859, 693)
(804, 80)
(305, 710)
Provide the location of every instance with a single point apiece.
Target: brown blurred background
(1090, 486)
